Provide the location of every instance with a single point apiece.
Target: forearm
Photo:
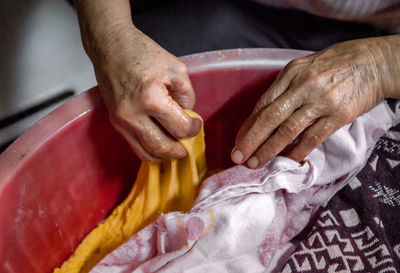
(98, 19)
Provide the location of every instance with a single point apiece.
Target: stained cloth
(159, 187)
(243, 216)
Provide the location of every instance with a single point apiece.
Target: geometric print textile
(359, 229)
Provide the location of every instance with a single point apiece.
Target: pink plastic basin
(67, 172)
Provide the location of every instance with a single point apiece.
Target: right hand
(145, 89)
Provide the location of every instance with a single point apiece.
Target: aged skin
(316, 95)
(146, 88)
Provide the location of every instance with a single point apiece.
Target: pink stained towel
(242, 216)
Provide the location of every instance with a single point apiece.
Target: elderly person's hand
(144, 87)
(316, 95)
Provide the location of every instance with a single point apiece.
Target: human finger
(132, 140)
(181, 88)
(151, 138)
(280, 85)
(170, 115)
(154, 140)
(285, 134)
(313, 137)
(264, 122)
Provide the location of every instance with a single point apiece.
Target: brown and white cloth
(358, 231)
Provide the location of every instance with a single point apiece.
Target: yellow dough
(159, 187)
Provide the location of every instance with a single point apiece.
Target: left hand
(313, 97)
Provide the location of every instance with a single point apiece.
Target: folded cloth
(242, 216)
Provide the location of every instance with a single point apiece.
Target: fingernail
(237, 156)
(253, 162)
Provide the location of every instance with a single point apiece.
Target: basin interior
(66, 174)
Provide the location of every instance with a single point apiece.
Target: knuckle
(318, 79)
(250, 138)
(178, 83)
(249, 143)
(162, 150)
(313, 78)
(294, 64)
(150, 104)
(312, 72)
(261, 119)
(149, 98)
(267, 115)
(264, 101)
(260, 105)
(267, 150)
(182, 68)
(312, 140)
(330, 51)
(329, 100)
(312, 111)
(288, 130)
(170, 150)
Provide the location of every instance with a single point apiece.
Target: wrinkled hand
(145, 89)
(312, 97)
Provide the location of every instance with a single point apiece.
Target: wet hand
(311, 98)
(145, 89)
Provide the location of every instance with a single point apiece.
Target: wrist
(102, 21)
(103, 40)
(388, 48)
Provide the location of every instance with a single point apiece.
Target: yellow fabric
(159, 187)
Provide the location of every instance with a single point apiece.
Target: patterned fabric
(242, 216)
(359, 229)
(383, 13)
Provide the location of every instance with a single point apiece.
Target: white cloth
(242, 216)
